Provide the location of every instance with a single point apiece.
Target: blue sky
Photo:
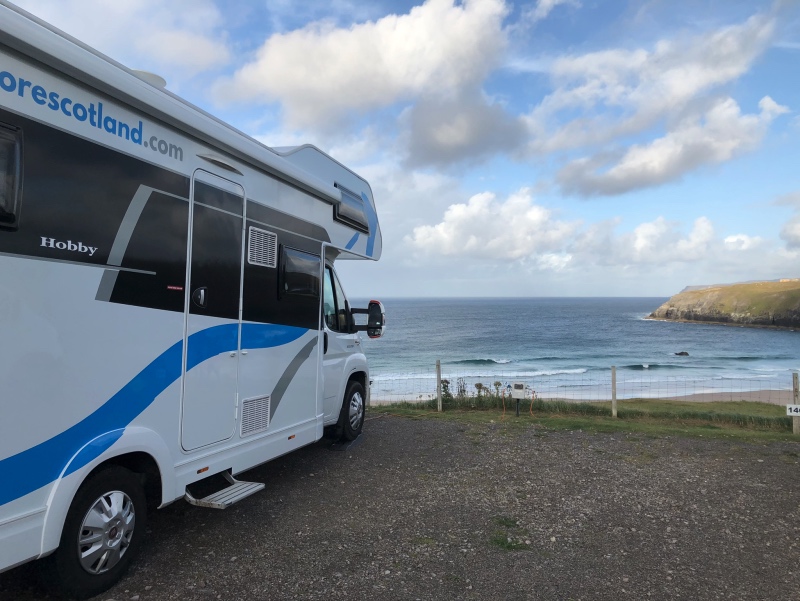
(542, 148)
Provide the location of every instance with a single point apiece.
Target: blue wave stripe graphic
(352, 242)
(372, 219)
(33, 468)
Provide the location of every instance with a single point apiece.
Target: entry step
(229, 495)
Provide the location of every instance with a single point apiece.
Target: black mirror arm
(356, 327)
(351, 323)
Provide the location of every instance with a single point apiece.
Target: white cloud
(715, 137)
(487, 228)
(467, 127)
(517, 229)
(544, 7)
(182, 35)
(553, 261)
(640, 87)
(321, 72)
(790, 232)
(742, 242)
(436, 58)
(660, 242)
(485, 243)
(791, 199)
(499, 232)
(186, 49)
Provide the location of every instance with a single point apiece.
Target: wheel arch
(358, 376)
(345, 427)
(356, 369)
(139, 450)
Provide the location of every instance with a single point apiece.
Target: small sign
(518, 391)
(793, 410)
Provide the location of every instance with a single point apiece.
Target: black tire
(109, 515)
(351, 417)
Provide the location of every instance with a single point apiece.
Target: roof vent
(154, 80)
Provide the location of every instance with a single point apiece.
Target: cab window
(334, 307)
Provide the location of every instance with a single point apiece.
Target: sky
(541, 148)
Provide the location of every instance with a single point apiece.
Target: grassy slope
(746, 421)
(742, 301)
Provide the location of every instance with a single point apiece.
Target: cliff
(774, 304)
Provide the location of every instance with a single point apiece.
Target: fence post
(613, 391)
(795, 401)
(439, 385)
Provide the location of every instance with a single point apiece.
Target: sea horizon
(565, 347)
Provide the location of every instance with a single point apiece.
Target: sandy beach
(775, 397)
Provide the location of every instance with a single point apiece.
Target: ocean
(565, 347)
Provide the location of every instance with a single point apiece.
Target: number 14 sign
(793, 410)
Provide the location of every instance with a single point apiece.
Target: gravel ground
(428, 509)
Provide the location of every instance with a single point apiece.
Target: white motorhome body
(163, 278)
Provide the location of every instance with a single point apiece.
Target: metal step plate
(227, 496)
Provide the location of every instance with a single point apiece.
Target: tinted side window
(10, 175)
(299, 273)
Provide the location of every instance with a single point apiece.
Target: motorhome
(169, 306)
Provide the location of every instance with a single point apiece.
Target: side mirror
(376, 319)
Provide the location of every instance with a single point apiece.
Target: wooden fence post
(439, 385)
(613, 391)
(795, 401)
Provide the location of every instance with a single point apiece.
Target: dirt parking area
(429, 509)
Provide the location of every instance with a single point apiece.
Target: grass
(756, 298)
(756, 303)
(742, 407)
(741, 420)
(505, 522)
(509, 536)
(425, 540)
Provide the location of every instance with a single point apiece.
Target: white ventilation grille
(255, 415)
(262, 248)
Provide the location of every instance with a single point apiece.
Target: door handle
(200, 297)
(325, 350)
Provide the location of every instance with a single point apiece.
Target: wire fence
(587, 386)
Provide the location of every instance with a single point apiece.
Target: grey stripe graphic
(106, 286)
(128, 224)
(289, 374)
(123, 238)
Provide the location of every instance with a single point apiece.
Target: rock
(682, 354)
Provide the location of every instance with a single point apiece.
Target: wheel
(351, 418)
(103, 531)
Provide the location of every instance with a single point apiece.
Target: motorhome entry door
(213, 322)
